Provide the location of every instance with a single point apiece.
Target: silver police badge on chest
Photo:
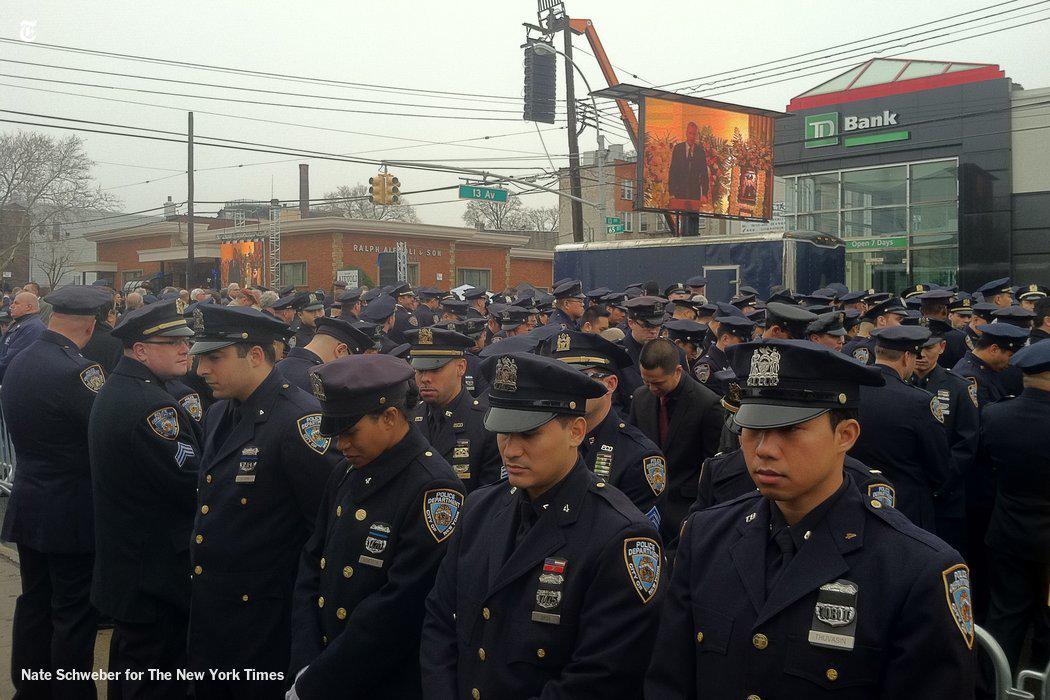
(375, 543)
(834, 623)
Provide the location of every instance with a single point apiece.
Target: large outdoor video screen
(714, 161)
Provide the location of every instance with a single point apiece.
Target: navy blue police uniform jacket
(621, 454)
(473, 380)
(303, 335)
(561, 319)
(404, 320)
(901, 435)
(712, 361)
(145, 449)
(261, 480)
(47, 396)
(725, 477)
(954, 342)
(425, 315)
(296, 366)
(988, 384)
(570, 611)
(23, 332)
(364, 575)
(189, 397)
(459, 436)
(905, 632)
(861, 350)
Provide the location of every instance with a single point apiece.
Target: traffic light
(541, 84)
(393, 189)
(377, 189)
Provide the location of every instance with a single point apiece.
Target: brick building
(315, 249)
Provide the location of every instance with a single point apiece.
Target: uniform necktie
(663, 420)
(526, 519)
(786, 545)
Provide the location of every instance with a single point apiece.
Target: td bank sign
(825, 129)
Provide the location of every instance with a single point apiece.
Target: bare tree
(53, 255)
(48, 178)
(540, 218)
(351, 202)
(495, 216)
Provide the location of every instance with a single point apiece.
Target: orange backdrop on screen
(707, 160)
(242, 263)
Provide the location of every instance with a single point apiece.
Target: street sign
(613, 220)
(614, 229)
(489, 194)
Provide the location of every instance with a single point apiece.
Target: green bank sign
(866, 244)
(825, 129)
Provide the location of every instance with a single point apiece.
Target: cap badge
(198, 321)
(506, 375)
(563, 342)
(318, 386)
(426, 336)
(765, 367)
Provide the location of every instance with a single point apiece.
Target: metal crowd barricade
(7, 458)
(1003, 689)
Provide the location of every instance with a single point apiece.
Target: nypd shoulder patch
(883, 493)
(643, 558)
(937, 409)
(93, 378)
(310, 431)
(192, 404)
(441, 508)
(164, 422)
(957, 591)
(655, 469)
(861, 355)
(972, 391)
(703, 372)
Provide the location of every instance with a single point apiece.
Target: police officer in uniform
(615, 450)
(47, 395)
(404, 312)
(934, 306)
(786, 321)
(382, 529)
(333, 338)
(958, 407)
(262, 473)
(450, 419)
(828, 330)
(689, 336)
(308, 308)
(426, 309)
(552, 580)
(1018, 536)
(983, 365)
(807, 588)
(350, 304)
(568, 302)
(731, 330)
(144, 449)
(902, 427)
(885, 314)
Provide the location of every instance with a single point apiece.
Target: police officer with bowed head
(350, 304)
(902, 427)
(934, 305)
(808, 588)
(786, 320)
(884, 314)
(404, 311)
(568, 303)
(382, 529)
(984, 364)
(731, 330)
(552, 580)
(308, 306)
(1018, 536)
(47, 395)
(262, 473)
(450, 419)
(332, 339)
(616, 451)
(145, 449)
(828, 330)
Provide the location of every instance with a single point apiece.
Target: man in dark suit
(687, 178)
(683, 417)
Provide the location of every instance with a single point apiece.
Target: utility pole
(189, 204)
(602, 154)
(574, 144)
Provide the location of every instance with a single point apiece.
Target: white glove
(292, 694)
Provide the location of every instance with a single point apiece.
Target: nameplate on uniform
(835, 616)
(246, 465)
(370, 561)
(245, 479)
(549, 591)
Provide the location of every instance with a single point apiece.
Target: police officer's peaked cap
(936, 296)
(961, 305)
(163, 319)
(284, 302)
(454, 305)
(742, 300)
(852, 297)
(685, 330)
(648, 310)
(906, 338)
(286, 290)
(914, 291)
(350, 296)
(789, 316)
(356, 340)
(402, 289)
(429, 292)
(785, 382)
(308, 301)
(586, 350)
(817, 298)
(571, 289)
(829, 323)
(892, 305)
(725, 309)
(475, 293)
(1030, 292)
(78, 299)
(837, 288)
(872, 297)
(819, 309)
(1033, 359)
(758, 317)
(510, 317)
(696, 281)
(597, 294)
(517, 343)
(379, 310)
(676, 288)
(216, 327)
(739, 326)
(912, 317)
(372, 294)
(353, 386)
(1017, 315)
(851, 317)
(984, 309)
(999, 286)
(433, 346)
(526, 391)
(1005, 335)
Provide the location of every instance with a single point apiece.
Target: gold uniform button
(204, 509)
(486, 613)
(428, 453)
(322, 562)
(600, 484)
(320, 601)
(753, 697)
(876, 504)
(760, 641)
(348, 571)
(208, 478)
(832, 674)
(699, 637)
(475, 693)
(341, 613)
(540, 653)
(481, 654)
(244, 501)
(245, 597)
(361, 514)
(338, 511)
(198, 570)
(198, 539)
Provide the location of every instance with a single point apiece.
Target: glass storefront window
(818, 192)
(936, 265)
(884, 269)
(875, 187)
(870, 223)
(825, 223)
(934, 182)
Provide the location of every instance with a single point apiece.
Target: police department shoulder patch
(883, 493)
(957, 591)
(937, 409)
(861, 355)
(643, 559)
(310, 431)
(703, 372)
(441, 508)
(93, 378)
(972, 391)
(655, 469)
(164, 422)
(412, 320)
(192, 404)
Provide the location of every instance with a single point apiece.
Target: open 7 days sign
(824, 129)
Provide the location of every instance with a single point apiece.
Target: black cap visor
(202, 347)
(423, 364)
(510, 420)
(766, 416)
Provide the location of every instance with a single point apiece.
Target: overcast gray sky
(461, 47)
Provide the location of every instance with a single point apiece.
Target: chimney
(304, 190)
(169, 208)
